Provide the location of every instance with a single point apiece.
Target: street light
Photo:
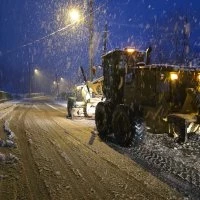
(59, 84)
(91, 38)
(31, 71)
(36, 71)
(38, 78)
(75, 15)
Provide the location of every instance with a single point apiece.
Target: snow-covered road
(57, 158)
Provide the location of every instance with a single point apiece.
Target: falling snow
(41, 35)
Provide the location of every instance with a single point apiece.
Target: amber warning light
(198, 77)
(130, 50)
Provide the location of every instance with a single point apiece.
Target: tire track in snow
(81, 144)
(53, 107)
(30, 172)
(46, 137)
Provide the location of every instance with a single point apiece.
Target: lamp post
(57, 85)
(75, 17)
(37, 79)
(32, 71)
(29, 70)
(30, 78)
(91, 38)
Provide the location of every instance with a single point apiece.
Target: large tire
(70, 104)
(103, 118)
(127, 129)
(178, 132)
(122, 126)
(138, 130)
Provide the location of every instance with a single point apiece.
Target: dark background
(29, 37)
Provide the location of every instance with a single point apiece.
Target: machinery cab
(128, 80)
(115, 66)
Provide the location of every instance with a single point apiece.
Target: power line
(40, 39)
(49, 35)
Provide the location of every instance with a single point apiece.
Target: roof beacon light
(198, 77)
(173, 76)
(130, 50)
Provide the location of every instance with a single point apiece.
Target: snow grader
(141, 97)
(85, 98)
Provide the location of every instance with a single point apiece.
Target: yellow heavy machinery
(86, 97)
(162, 98)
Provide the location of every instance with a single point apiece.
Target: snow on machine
(139, 96)
(87, 96)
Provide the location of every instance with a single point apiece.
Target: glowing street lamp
(36, 71)
(38, 76)
(32, 72)
(75, 15)
(58, 83)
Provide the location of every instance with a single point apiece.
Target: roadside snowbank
(8, 159)
(9, 142)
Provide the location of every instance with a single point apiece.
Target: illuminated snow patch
(10, 134)
(8, 159)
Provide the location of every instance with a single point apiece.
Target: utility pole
(91, 38)
(186, 35)
(57, 85)
(29, 70)
(30, 67)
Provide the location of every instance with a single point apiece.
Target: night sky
(31, 35)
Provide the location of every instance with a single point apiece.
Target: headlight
(79, 87)
(173, 76)
(198, 77)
